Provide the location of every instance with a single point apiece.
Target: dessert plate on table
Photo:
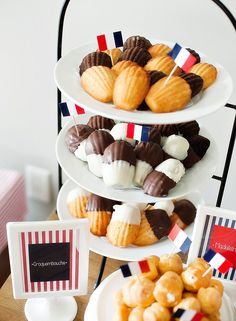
(113, 283)
(68, 81)
(78, 171)
(102, 246)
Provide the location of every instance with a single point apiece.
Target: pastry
(124, 226)
(168, 289)
(189, 129)
(170, 262)
(167, 206)
(123, 64)
(193, 279)
(167, 130)
(184, 213)
(156, 312)
(190, 303)
(172, 168)
(153, 263)
(163, 63)
(210, 300)
(131, 86)
(136, 54)
(148, 156)
(119, 132)
(176, 147)
(114, 54)
(97, 58)
(136, 314)
(195, 82)
(100, 122)
(154, 135)
(206, 71)
(217, 284)
(99, 211)
(98, 82)
(95, 145)
(138, 292)
(199, 144)
(167, 97)
(160, 49)
(119, 165)
(195, 54)
(122, 313)
(191, 159)
(200, 263)
(76, 201)
(136, 41)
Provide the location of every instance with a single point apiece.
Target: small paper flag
(138, 132)
(217, 261)
(110, 41)
(70, 109)
(187, 315)
(180, 238)
(135, 268)
(182, 57)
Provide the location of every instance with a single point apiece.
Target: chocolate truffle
(195, 54)
(100, 122)
(188, 129)
(97, 58)
(199, 144)
(136, 41)
(195, 82)
(75, 135)
(136, 54)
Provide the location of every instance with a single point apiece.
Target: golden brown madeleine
(130, 88)
(98, 222)
(123, 64)
(162, 63)
(206, 71)
(160, 49)
(98, 82)
(172, 96)
(114, 54)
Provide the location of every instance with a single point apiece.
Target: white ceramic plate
(77, 171)
(68, 81)
(112, 284)
(102, 246)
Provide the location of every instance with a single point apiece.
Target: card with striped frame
(48, 258)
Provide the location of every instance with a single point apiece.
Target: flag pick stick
(75, 125)
(206, 272)
(170, 75)
(110, 54)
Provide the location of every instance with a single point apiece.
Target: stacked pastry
(138, 77)
(167, 287)
(156, 166)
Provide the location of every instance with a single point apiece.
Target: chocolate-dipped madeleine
(136, 54)
(97, 58)
(119, 132)
(191, 159)
(176, 146)
(136, 41)
(100, 122)
(199, 144)
(195, 82)
(189, 128)
(184, 213)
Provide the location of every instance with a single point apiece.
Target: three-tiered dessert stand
(222, 179)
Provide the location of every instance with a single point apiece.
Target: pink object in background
(13, 206)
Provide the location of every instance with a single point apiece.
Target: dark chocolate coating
(72, 139)
(154, 136)
(185, 210)
(119, 150)
(167, 130)
(188, 129)
(136, 41)
(100, 122)
(158, 184)
(195, 54)
(159, 222)
(191, 159)
(97, 142)
(195, 82)
(136, 54)
(199, 144)
(98, 203)
(97, 58)
(149, 152)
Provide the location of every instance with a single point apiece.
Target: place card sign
(48, 258)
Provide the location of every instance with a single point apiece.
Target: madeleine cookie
(98, 82)
(123, 64)
(97, 58)
(160, 49)
(130, 88)
(168, 97)
(206, 71)
(114, 54)
(162, 63)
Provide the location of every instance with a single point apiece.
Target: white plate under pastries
(102, 308)
(102, 246)
(78, 171)
(68, 81)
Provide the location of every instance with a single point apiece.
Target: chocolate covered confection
(97, 58)
(98, 203)
(189, 129)
(100, 122)
(154, 136)
(97, 142)
(195, 54)
(195, 82)
(159, 222)
(136, 54)
(136, 41)
(199, 144)
(167, 130)
(119, 150)
(191, 159)
(149, 152)
(158, 184)
(185, 210)
(75, 135)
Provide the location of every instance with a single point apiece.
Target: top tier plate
(68, 81)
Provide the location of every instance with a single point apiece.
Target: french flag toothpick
(217, 261)
(180, 238)
(70, 109)
(134, 268)
(138, 132)
(187, 315)
(110, 41)
(182, 57)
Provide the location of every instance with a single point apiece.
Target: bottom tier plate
(102, 246)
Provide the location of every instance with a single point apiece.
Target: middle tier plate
(78, 171)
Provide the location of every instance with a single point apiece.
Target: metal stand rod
(100, 274)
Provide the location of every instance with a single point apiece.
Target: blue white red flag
(217, 261)
(110, 41)
(180, 238)
(187, 315)
(134, 268)
(70, 109)
(138, 132)
(182, 57)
